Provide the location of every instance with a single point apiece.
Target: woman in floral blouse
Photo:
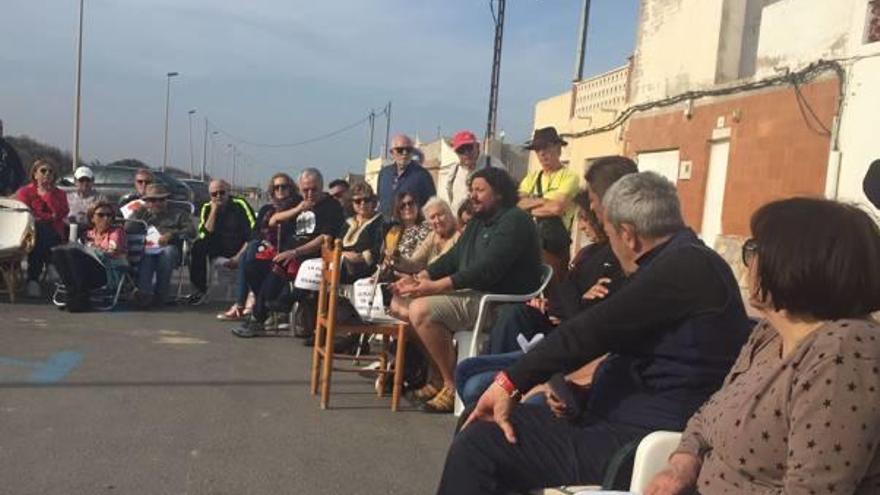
(98, 263)
(799, 412)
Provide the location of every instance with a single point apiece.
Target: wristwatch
(504, 382)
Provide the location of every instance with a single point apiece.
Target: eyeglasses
(359, 201)
(749, 251)
(103, 214)
(142, 181)
(217, 194)
(465, 149)
(280, 187)
(44, 171)
(402, 150)
(407, 204)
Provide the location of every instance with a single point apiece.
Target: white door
(664, 163)
(713, 204)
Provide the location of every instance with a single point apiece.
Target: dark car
(114, 182)
(200, 194)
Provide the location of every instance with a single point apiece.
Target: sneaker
(33, 289)
(197, 298)
(250, 328)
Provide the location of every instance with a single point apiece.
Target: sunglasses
(140, 181)
(103, 214)
(280, 187)
(749, 251)
(402, 150)
(44, 171)
(217, 194)
(359, 201)
(465, 149)
(407, 204)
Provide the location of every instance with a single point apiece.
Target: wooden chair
(326, 328)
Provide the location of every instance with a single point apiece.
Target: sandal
(428, 391)
(442, 403)
(234, 313)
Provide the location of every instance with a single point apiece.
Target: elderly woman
(442, 236)
(362, 241)
(799, 411)
(86, 268)
(48, 204)
(265, 244)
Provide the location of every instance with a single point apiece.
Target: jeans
(549, 451)
(241, 285)
(474, 375)
(512, 320)
(161, 265)
(46, 239)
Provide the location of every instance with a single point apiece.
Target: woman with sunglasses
(799, 411)
(274, 218)
(48, 205)
(410, 228)
(97, 264)
(362, 241)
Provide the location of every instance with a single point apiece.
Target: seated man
(133, 201)
(317, 215)
(672, 333)
(166, 230)
(497, 253)
(225, 225)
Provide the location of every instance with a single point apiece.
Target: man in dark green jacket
(497, 253)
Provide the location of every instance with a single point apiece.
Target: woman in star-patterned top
(799, 412)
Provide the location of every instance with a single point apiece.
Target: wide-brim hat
(156, 191)
(544, 137)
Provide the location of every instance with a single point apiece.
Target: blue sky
(280, 71)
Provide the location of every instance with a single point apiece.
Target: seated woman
(410, 229)
(257, 258)
(48, 205)
(799, 411)
(442, 236)
(98, 263)
(362, 242)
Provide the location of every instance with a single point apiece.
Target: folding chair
(326, 328)
(17, 237)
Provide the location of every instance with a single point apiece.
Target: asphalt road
(171, 403)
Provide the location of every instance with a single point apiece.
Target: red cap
(462, 138)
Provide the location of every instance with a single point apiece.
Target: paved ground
(171, 403)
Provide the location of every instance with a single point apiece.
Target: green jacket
(177, 223)
(499, 255)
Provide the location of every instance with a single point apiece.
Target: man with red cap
(467, 147)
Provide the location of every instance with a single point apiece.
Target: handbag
(555, 238)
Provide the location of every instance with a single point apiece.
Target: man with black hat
(166, 229)
(547, 195)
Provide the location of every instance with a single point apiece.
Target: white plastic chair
(651, 457)
(468, 340)
(17, 238)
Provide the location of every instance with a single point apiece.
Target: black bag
(555, 238)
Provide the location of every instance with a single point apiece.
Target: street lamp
(76, 104)
(167, 109)
(234, 151)
(192, 160)
(213, 153)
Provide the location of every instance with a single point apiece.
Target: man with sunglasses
(167, 229)
(404, 174)
(83, 198)
(142, 178)
(467, 148)
(225, 225)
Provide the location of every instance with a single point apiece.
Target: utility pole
(491, 121)
(205, 150)
(167, 109)
(372, 131)
(76, 104)
(582, 41)
(387, 127)
(192, 160)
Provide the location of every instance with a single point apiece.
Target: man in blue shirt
(403, 175)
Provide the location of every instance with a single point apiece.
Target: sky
(284, 71)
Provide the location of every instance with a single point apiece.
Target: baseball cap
(462, 138)
(83, 172)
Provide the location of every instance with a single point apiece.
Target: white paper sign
(151, 241)
(309, 275)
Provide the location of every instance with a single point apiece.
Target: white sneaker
(33, 289)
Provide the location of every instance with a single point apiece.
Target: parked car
(199, 190)
(114, 182)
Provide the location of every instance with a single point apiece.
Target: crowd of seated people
(645, 330)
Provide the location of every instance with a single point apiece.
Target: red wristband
(504, 382)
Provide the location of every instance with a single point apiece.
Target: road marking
(52, 370)
(180, 340)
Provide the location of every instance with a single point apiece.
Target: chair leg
(398, 366)
(316, 358)
(9, 281)
(327, 368)
(383, 366)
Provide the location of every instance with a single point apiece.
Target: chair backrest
(546, 275)
(331, 254)
(16, 226)
(651, 457)
(136, 239)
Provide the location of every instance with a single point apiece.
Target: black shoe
(197, 298)
(250, 328)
